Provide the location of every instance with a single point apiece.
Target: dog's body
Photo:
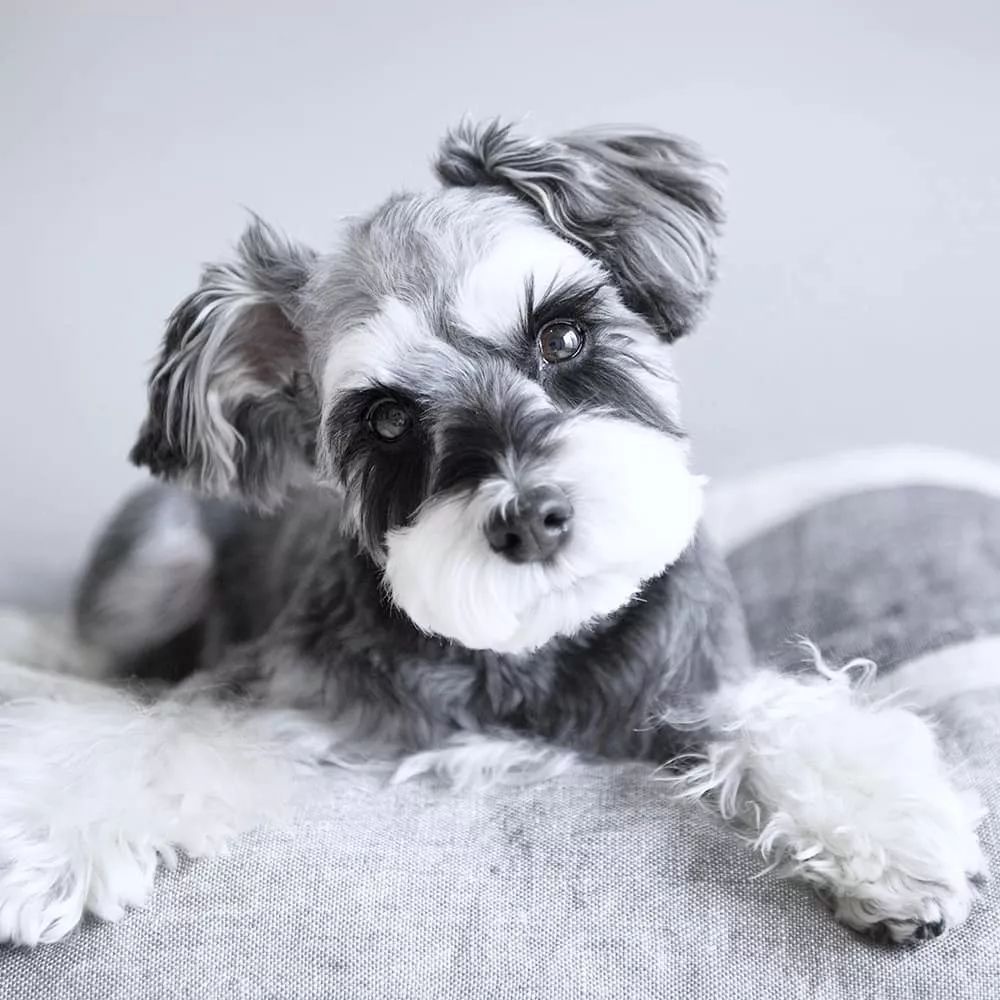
(467, 422)
(291, 614)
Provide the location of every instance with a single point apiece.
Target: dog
(426, 499)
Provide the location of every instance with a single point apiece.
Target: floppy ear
(232, 408)
(647, 204)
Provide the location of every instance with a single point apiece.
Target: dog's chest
(342, 644)
(592, 692)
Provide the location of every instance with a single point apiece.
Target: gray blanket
(599, 885)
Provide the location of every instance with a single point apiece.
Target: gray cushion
(597, 884)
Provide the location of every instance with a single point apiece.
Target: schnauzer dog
(441, 513)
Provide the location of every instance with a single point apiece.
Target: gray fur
(298, 600)
(235, 339)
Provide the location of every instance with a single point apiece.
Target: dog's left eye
(389, 420)
(560, 340)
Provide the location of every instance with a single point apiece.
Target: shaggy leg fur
(477, 761)
(853, 797)
(96, 791)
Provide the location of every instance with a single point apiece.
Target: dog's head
(484, 372)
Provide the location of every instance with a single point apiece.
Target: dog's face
(484, 373)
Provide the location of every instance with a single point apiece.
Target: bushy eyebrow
(576, 299)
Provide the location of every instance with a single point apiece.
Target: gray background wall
(859, 295)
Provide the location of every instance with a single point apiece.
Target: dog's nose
(534, 528)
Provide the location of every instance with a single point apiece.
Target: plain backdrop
(859, 290)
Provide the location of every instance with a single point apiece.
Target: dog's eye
(389, 420)
(560, 340)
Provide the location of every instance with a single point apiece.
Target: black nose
(534, 528)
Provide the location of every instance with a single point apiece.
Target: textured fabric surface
(597, 885)
(888, 574)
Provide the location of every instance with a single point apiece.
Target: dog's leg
(854, 797)
(95, 792)
(145, 597)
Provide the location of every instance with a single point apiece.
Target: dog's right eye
(560, 340)
(389, 420)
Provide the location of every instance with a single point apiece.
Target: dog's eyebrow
(488, 299)
(578, 298)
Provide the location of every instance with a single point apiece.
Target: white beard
(636, 509)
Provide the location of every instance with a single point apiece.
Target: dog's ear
(232, 409)
(648, 205)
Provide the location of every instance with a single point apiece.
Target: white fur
(97, 791)
(489, 301)
(478, 761)
(636, 508)
(377, 350)
(852, 796)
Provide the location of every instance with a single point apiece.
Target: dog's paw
(41, 895)
(46, 887)
(897, 908)
(911, 880)
(852, 796)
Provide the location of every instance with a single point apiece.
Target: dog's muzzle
(559, 536)
(533, 527)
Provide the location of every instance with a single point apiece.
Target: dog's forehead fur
(429, 277)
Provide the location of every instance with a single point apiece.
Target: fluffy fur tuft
(477, 761)
(851, 796)
(135, 785)
(139, 784)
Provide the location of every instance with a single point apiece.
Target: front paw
(909, 881)
(897, 908)
(46, 887)
(854, 797)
